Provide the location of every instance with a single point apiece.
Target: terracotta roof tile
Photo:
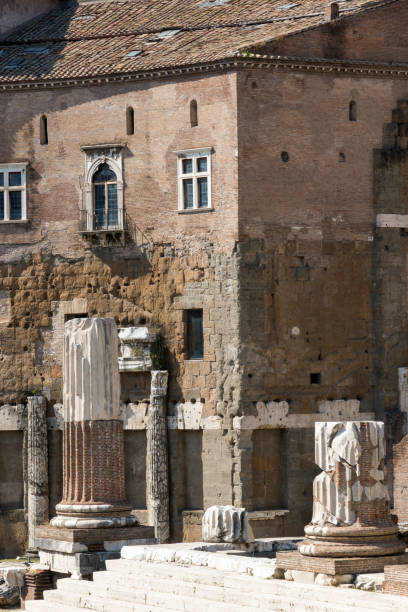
(94, 38)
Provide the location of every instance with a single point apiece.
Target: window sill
(193, 211)
(194, 359)
(13, 221)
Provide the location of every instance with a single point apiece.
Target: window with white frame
(13, 198)
(194, 179)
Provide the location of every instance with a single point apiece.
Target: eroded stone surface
(351, 507)
(225, 524)
(37, 466)
(157, 458)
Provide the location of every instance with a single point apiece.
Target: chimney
(332, 11)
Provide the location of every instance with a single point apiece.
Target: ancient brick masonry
(94, 476)
(351, 516)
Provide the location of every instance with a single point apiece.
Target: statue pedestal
(351, 530)
(80, 552)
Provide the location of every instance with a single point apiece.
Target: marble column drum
(157, 458)
(37, 466)
(94, 493)
(351, 503)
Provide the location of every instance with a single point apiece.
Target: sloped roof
(94, 38)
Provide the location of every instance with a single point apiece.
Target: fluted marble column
(37, 466)
(351, 504)
(157, 458)
(94, 492)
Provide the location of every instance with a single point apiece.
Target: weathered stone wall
(310, 260)
(289, 325)
(171, 262)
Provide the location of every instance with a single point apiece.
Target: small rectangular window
(195, 336)
(194, 180)
(188, 193)
(13, 198)
(187, 166)
(15, 205)
(202, 192)
(14, 179)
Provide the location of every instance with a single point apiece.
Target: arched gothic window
(105, 198)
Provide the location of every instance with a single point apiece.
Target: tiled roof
(94, 38)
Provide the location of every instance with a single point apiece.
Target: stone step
(179, 595)
(193, 588)
(55, 606)
(121, 571)
(91, 596)
(44, 606)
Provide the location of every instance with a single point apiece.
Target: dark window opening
(316, 378)
(193, 113)
(70, 317)
(130, 121)
(195, 336)
(353, 111)
(43, 130)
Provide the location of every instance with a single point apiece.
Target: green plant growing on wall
(137, 351)
(158, 354)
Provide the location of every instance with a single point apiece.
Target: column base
(336, 567)
(93, 522)
(351, 541)
(93, 516)
(80, 552)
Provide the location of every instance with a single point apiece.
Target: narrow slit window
(353, 111)
(193, 113)
(130, 121)
(43, 130)
(195, 335)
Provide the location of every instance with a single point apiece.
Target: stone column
(37, 466)
(157, 458)
(93, 444)
(351, 504)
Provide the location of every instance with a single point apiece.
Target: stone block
(225, 524)
(337, 566)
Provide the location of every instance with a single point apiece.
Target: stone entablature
(135, 348)
(188, 416)
(274, 415)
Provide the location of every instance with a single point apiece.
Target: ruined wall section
(374, 35)
(308, 327)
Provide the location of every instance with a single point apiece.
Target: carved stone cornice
(243, 61)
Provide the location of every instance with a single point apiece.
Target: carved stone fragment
(37, 466)
(351, 504)
(225, 524)
(157, 458)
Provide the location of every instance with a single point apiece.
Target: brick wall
(374, 35)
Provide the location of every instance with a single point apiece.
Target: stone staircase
(129, 585)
